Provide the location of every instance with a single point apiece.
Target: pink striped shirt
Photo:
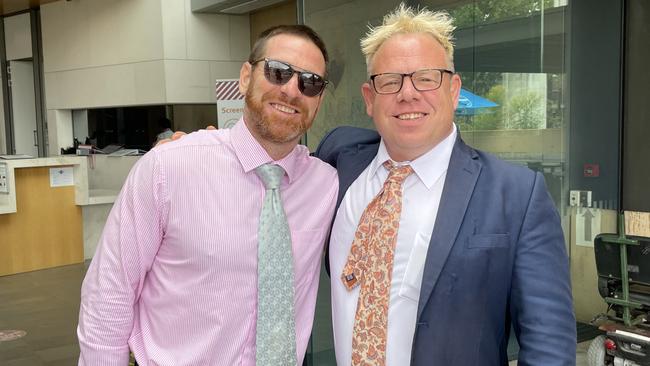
(174, 277)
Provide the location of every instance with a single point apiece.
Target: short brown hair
(303, 31)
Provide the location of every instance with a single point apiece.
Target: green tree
(492, 118)
(487, 85)
(488, 11)
(526, 111)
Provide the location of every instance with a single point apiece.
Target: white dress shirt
(421, 197)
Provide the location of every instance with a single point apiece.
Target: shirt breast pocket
(487, 241)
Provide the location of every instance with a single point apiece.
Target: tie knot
(270, 174)
(397, 173)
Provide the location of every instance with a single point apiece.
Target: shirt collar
(251, 154)
(427, 167)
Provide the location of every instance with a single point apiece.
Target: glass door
(23, 106)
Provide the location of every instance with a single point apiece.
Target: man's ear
(245, 77)
(368, 97)
(455, 86)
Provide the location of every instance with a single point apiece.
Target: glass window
(139, 127)
(510, 55)
(131, 127)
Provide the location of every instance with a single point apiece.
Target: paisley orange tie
(370, 264)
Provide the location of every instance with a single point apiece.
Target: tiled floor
(45, 304)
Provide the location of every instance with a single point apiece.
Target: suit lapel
(462, 173)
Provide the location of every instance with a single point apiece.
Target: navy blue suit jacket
(497, 257)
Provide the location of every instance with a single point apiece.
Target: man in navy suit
(479, 247)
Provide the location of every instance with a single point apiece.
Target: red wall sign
(591, 170)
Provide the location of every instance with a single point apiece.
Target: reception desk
(47, 203)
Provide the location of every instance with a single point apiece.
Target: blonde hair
(405, 20)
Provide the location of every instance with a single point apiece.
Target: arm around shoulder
(327, 148)
(343, 137)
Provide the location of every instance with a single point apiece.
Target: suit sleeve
(541, 299)
(341, 138)
(327, 150)
(113, 283)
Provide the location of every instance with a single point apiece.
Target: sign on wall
(62, 176)
(230, 103)
(587, 225)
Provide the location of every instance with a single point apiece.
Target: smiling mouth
(410, 116)
(284, 108)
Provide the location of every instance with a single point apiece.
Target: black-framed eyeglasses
(423, 80)
(279, 73)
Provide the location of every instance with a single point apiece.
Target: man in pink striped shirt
(174, 278)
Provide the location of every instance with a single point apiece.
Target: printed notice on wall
(637, 223)
(61, 176)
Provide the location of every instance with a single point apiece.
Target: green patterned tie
(276, 335)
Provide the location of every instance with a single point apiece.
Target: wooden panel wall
(46, 231)
(637, 223)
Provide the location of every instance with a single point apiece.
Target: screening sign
(230, 103)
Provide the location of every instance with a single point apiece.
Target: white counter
(97, 179)
(8, 200)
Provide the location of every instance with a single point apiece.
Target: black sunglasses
(279, 73)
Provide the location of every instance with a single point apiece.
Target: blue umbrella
(470, 104)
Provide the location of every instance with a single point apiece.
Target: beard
(272, 127)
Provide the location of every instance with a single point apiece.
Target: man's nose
(290, 88)
(408, 91)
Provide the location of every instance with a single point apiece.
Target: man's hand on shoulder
(179, 134)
